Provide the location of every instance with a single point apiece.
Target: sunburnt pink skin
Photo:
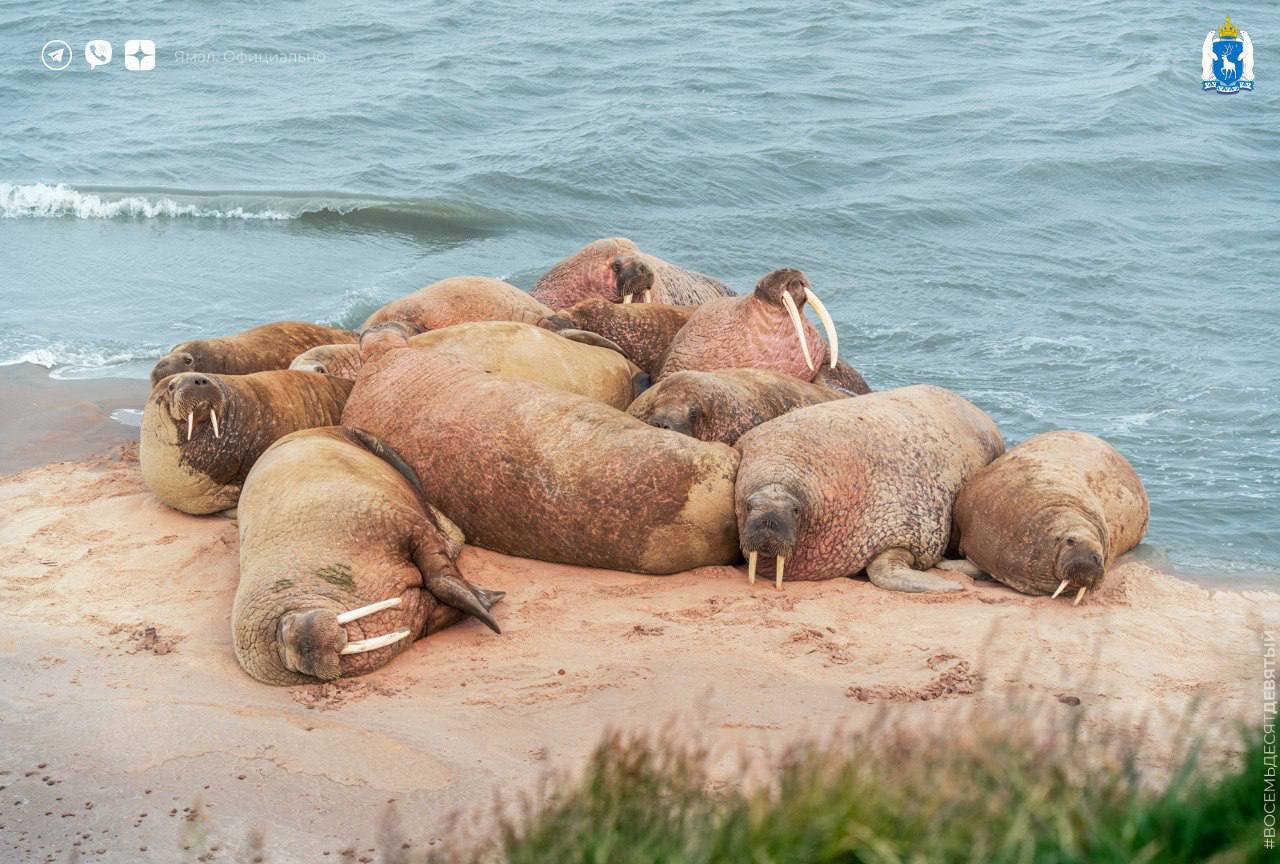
(754, 332)
(616, 270)
(866, 483)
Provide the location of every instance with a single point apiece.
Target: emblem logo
(1226, 60)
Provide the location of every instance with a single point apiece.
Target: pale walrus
(864, 483)
(642, 330)
(343, 563)
(1053, 513)
(271, 346)
(529, 470)
(340, 361)
(458, 300)
(765, 330)
(722, 405)
(616, 270)
(202, 433)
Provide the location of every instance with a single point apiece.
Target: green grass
(972, 794)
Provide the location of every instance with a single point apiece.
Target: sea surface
(1036, 206)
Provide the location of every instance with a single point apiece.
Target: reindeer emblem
(1228, 66)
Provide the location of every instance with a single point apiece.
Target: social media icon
(97, 52)
(139, 55)
(56, 55)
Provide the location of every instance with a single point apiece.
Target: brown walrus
(722, 405)
(616, 270)
(572, 360)
(529, 470)
(861, 483)
(458, 300)
(343, 563)
(271, 346)
(765, 330)
(1054, 512)
(642, 330)
(202, 433)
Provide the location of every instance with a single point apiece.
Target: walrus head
(194, 399)
(789, 290)
(389, 335)
(632, 278)
(1080, 562)
(174, 362)
(340, 361)
(770, 527)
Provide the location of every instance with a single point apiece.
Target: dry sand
(123, 709)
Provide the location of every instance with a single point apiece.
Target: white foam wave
(80, 361)
(39, 200)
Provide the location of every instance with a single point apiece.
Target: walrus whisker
(782, 563)
(751, 566)
(1080, 596)
(796, 322)
(833, 338)
(356, 614)
(375, 643)
(213, 415)
(191, 423)
(1061, 587)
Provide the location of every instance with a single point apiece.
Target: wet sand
(128, 726)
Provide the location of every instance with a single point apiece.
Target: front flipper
(586, 337)
(441, 577)
(892, 570)
(963, 566)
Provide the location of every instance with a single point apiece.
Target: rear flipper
(963, 566)
(892, 570)
(441, 577)
(586, 337)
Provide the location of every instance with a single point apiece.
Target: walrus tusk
(833, 339)
(1080, 596)
(626, 298)
(1062, 587)
(796, 322)
(782, 564)
(213, 415)
(356, 614)
(648, 293)
(751, 566)
(375, 643)
(191, 423)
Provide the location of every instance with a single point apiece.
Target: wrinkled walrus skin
(458, 300)
(202, 433)
(528, 470)
(271, 346)
(864, 483)
(642, 330)
(1059, 507)
(615, 269)
(332, 522)
(722, 405)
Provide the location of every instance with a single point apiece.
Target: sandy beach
(130, 732)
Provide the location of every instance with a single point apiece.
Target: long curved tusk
(1061, 587)
(833, 338)
(375, 643)
(356, 614)
(1080, 596)
(782, 564)
(191, 423)
(648, 294)
(213, 415)
(626, 298)
(797, 323)
(751, 566)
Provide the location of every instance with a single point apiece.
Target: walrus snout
(171, 364)
(633, 278)
(770, 529)
(677, 418)
(195, 398)
(1080, 562)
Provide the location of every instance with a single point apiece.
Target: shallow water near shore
(1038, 209)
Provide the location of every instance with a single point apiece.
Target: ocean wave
(66, 360)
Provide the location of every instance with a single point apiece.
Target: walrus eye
(1071, 541)
(320, 368)
(187, 360)
(617, 266)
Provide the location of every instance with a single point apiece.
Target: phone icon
(139, 55)
(97, 52)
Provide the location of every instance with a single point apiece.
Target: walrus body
(1055, 512)
(531, 471)
(459, 300)
(616, 270)
(642, 330)
(722, 405)
(865, 483)
(765, 330)
(271, 346)
(202, 433)
(342, 563)
(340, 361)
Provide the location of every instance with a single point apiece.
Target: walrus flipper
(963, 565)
(586, 337)
(441, 577)
(892, 570)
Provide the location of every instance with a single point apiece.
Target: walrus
(271, 346)
(616, 270)
(202, 433)
(343, 563)
(642, 330)
(765, 330)
(571, 360)
(1055, 512)
(722, 405)
(865, 483)
(458, 300)
(529, 470)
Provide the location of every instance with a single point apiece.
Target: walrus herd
(626, 413)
